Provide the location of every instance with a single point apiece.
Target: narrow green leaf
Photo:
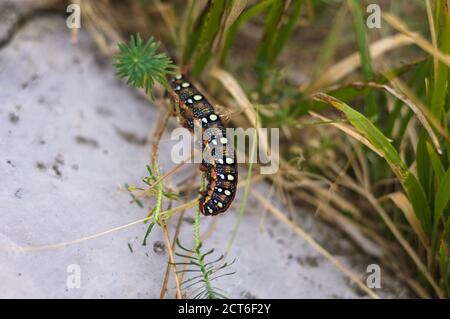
(285, 32)
(210, 29)
(361, 38)
(423, 165)
(249, 13)
(270, 32)
(147, 233)
(363, 46)
(435, 163)
(409, 182)
(442, 197)
(440, 87)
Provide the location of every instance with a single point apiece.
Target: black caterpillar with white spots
(221, 171)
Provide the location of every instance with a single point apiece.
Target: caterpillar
(220, 168)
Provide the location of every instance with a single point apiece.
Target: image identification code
(232, 308)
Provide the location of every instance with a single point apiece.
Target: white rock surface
(61, 161)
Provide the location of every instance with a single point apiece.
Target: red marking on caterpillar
(221, 172)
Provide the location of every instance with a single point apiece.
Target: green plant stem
(200, 257)
(159, 195)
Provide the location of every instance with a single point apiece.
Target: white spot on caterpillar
(190, 101)
(204, 120)
(185, 84)
(227, 192)
(220, 204)
(230, 177)
(213, 117)
(197, 97)
(178, 76)
(177, 88)
(229, 160)
(223, 140)
(222, 176)
(220, 190)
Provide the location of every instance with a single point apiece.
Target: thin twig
(161, 126)
(168, 212)
(167, 273)
(175, 236)
(171, 259)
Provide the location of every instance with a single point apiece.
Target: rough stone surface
(65, 146)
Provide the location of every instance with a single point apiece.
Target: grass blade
(409, 182)
(249, 13)
(209, 31)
